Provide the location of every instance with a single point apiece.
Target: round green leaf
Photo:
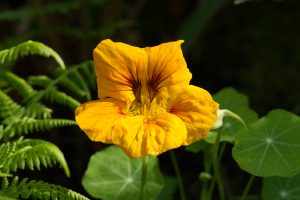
(236, 102)
(279, 188)
(112, 175)
(270, 146)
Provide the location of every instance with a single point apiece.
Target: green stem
(248, 186)
(178, 175)
(208, 195)
(222, 149)
(217, 176)
(211, 189)
(144, 177)
(207, 169)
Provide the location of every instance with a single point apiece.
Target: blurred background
(253, 46)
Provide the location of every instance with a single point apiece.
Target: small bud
(226, 113)
(204, 176)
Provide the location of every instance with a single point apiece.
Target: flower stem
(216, 163)
(207, 169)
(178, 175)
(248, 186)
(143, 177)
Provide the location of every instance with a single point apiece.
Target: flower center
(147, 87)
(148, 98)
(146, 107)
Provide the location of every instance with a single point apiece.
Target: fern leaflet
(8, 107)
(21, 86)
(53, 95)
(31, 153)
(29, 48)
(42, 80)
(31, 189)
(27, 125)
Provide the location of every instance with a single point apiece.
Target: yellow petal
(166, 65)
(96, 118)
(140, 137)
(118, 68)
(196, 108)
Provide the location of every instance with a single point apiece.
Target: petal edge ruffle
(196, 108)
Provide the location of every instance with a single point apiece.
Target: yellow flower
(146, 105)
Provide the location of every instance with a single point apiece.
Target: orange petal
(196, 108)
(139, 137)
(166, 65)
(96, 118)
(118, 68)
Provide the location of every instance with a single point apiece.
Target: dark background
(253, 47)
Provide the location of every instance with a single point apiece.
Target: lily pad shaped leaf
(270, 146)
(236, 102)
(279, 188)
(112, 175)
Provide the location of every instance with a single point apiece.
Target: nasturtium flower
(146, 105)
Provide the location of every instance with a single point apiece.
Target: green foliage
(281, 188)
(20, 120)
(19, 84)
(31, 154)
(29, 115)
(31, 189)
(111, 174)
(230, 99)
(70, 79)
(11, 110)
(29, 48)
(270, 146)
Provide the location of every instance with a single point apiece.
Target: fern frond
(38, 111)
(61, 98)
(20, 85)
(77, 77)
(11, 111)
(64, 74)
(43, 81)
(32, 153)
(29, 48)
(25, 126)
(4, 182)
(6, 150)
(32, 189)
(9, 190)
(8, 107)
(72, 87)
(88, 72)
(40, 80)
